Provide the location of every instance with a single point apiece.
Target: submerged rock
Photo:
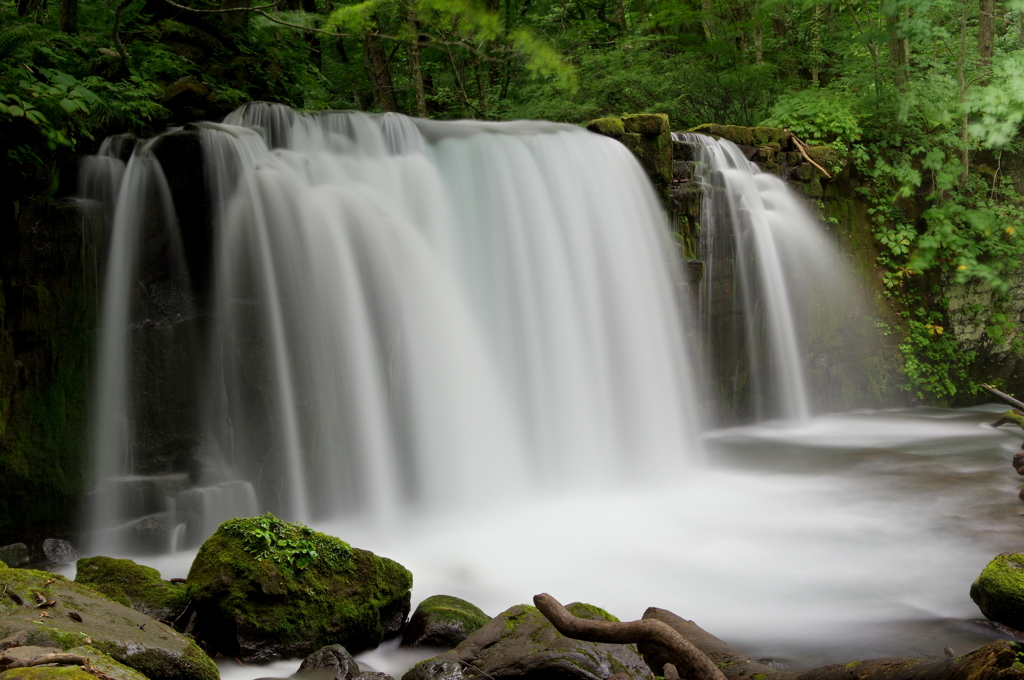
(999, 590)
(334, 658)
(133, 585)
(442, 621)
(81, 615)
(264, 589)
(520, 642)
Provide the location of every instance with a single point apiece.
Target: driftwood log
(690, 661)
(995, 661)
(61, 659)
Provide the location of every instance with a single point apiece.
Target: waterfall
(333, 314)
(778, 303)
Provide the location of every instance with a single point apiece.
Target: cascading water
(400, 314)
(343, 316)
(776, 297)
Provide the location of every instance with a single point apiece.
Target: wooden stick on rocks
(628, 632)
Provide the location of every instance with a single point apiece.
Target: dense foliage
(924, 96)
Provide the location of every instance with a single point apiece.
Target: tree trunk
(965, 157)
(986, 32)
(758, 43)
(898, 53)
(416, 66)
(69, 16)
(376, 64)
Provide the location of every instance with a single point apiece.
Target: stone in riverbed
(133, 585)
(59, 551)
(334, 658)
(264, 589)
(130, 637)
(999, 590)
(442, 621)
(520, 642)
(1018, 463)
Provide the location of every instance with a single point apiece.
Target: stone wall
(48, 311)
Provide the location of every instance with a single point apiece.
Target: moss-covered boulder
(128, 636)
(265, 589)
(47, 673)
(443, 621)
(649, 138)
(774, 138)
(999, 590)
(520, 642)
(133, 585)
(107, 664)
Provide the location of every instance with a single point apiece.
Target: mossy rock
(746, 136)
(647, 123)
(106, 664)
(442, 621)
(609, 127)
(999, 590)
(520, 642)
(133, 585)
(128, 636)
(828, 157)
(47, 673)
(266, 589)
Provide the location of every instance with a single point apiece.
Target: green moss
(745, 136)
(609, 127)
(647, 123)
(589, 611)
(453, 610)
(158, 663)
(340, 595)
(999, 590)
(107, 664)
(133, 585)
(46, 673)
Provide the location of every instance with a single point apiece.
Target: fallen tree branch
(219, 11)
(992, 662)
(802, 148)
(61, 658)
(694, 663)
(1017, 404)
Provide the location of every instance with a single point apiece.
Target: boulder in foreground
(128, 636)
(442, 621)
(999, 590)
(520, 642)
(264, 589)
(133, 585)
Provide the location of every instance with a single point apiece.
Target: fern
(12, 38)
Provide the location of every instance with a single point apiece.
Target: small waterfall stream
(776, 298)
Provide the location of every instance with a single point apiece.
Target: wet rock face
(520, 642)
(80, 616)
(259, 600)
(442, 621)
(999, 590)
(14, 555)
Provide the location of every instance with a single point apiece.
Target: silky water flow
(461, 345)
